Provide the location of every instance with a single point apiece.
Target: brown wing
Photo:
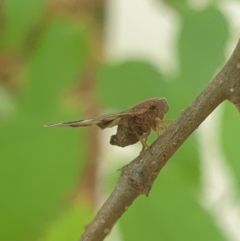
(105, 121)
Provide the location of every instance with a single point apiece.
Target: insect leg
(144, 144)
(143, 140)
(161, 125)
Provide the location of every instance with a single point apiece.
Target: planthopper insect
(134, 124)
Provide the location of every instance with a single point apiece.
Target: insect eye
(152, 107)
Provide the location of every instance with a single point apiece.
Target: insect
(134, 124)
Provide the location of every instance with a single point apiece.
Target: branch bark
(138, 176)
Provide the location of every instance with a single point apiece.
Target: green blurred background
(53, 67)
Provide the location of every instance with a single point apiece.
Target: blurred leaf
(231, 138)
(186, 160)
(125, 84)
(57, 62)
(179, 5)
(39, 166)
(70, 225)
(201, 48)
(20, 17)
(171, 213)
(202, 45)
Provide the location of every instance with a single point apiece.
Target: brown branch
(138, 176)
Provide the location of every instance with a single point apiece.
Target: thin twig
(138, 176)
